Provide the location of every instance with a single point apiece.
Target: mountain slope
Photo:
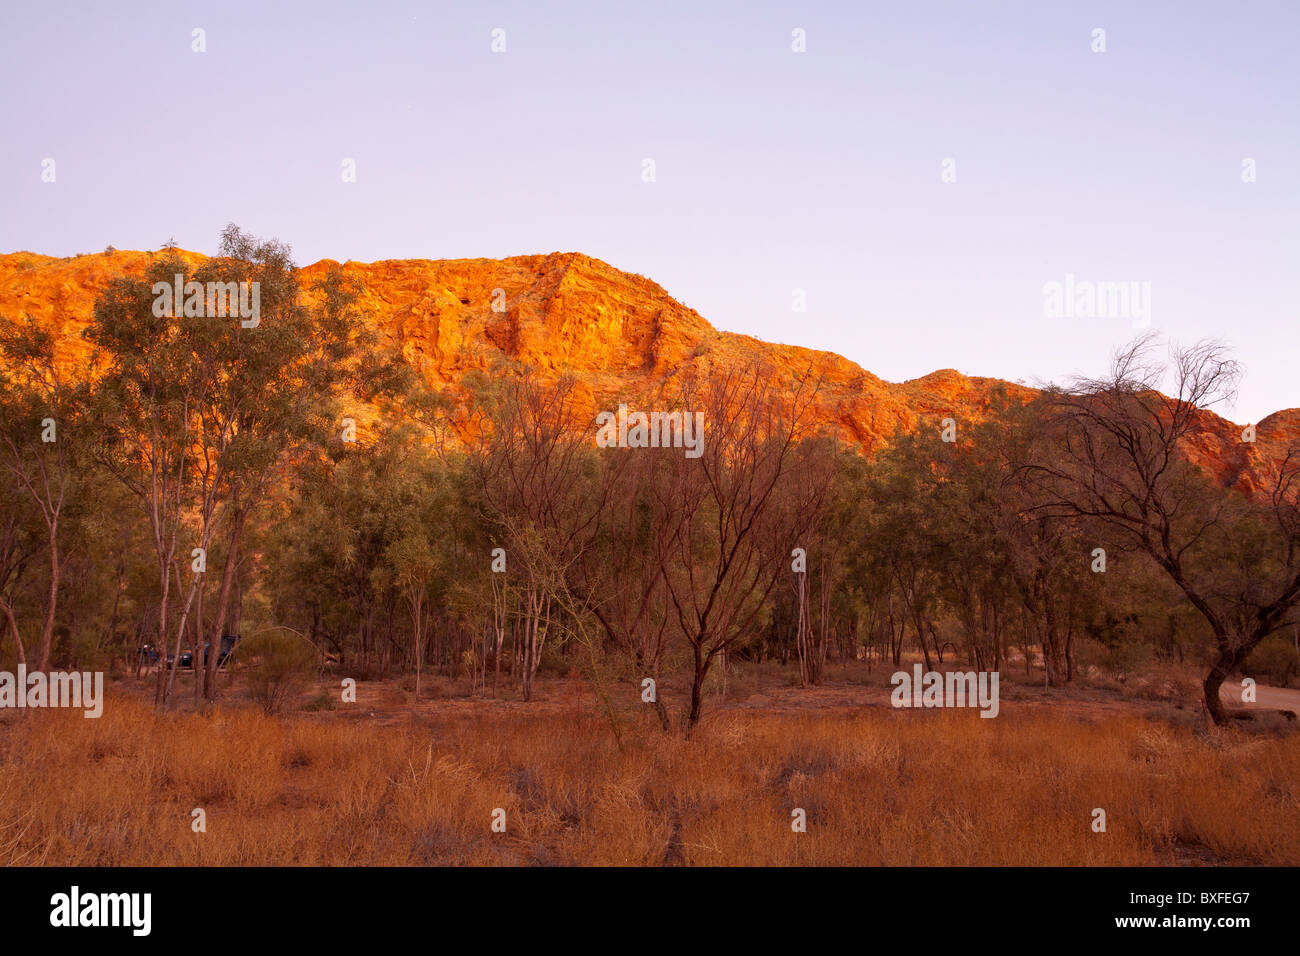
(619, 334)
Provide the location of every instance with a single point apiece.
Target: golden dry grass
(878, 787)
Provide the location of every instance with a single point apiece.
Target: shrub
(1128, 657)
(278, 663)
(322, 701)
(1274, 661)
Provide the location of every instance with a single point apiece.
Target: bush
(1274, 661)
(1163, 681)
(1128, 657)
(278, 663)
(321, 701)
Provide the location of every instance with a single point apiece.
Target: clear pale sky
(775, 170)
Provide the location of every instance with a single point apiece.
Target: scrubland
(391, 781)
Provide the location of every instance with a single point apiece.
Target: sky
(927, 175)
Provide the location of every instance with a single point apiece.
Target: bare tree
(1119, 459)
(639, 527)
(534, 467)
(740, 508)
(816, 496)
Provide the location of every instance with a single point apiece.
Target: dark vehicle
(228, 642)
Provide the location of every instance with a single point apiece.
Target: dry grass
(878, 787)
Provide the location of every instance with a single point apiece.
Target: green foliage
(276, 663)
(322, 701)
(1276, 661)
(378, 550)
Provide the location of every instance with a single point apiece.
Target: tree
(535, 471)
(824, 501)
(204, 413)
(741, 511)
(39, 414)
(1006, 548)
(624, 572)
(1119, 458)
(903, 543)
(143, 409)
(20, 541)
(415, 556)
(276, 386)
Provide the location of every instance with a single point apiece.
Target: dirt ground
(585, 775)
(1172, 696)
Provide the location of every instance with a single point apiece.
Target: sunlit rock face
(621, 335)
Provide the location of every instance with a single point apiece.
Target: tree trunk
(161, 638)
(416, 607)
(180, 633)
(697, 687)
(47, 628)
(199, 669)
(13, 629)
(1053, 647)
(920, 636)
(802, 636)
(1227, 660)
(223, 603)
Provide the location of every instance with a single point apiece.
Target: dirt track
(1266, 698)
